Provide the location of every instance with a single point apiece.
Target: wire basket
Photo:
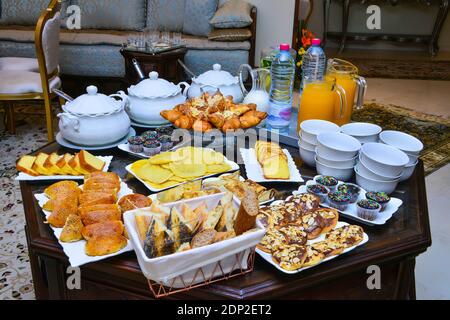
(161, 290)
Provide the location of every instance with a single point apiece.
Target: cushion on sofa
(233, 14)
(112, 14)
(22, 12)
(197, 16)
(170, 14)
(240, 34)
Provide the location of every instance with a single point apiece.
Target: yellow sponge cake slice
(63, 165)
(25, 165)
(90, 162)
(50, 164)
(38, 164)
(74, 163)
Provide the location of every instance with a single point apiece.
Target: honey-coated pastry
(62, 187)
(217, 119)
(98, 207)
(134, 201)
(100, 246)
(92, 217)
(63, 206)
(92, 198)
(250, 119)
(102, 229)
(171, 115)
(72, 229)
(231, 124)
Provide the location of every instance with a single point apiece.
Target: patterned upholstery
(197, 16)
(22, 12)
(112, 14)
(233, 14)
(171, 14)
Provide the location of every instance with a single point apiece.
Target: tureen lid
(92, 103)
(154, 87)
(216, 77)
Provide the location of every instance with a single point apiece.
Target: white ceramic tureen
(94, 119)
(151, 96)
(218, 79)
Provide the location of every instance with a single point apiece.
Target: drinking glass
(177, 38)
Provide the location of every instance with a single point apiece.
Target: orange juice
(349, 85)
(318, 100)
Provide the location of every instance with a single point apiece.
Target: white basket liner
(164, 269)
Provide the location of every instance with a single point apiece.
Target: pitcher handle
(187, 86)
(342, 100)
(362, 88)
(241, 81)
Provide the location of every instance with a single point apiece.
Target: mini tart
(328, 247)
(368, 209)
(329, 219)
(306, 201)
(271, 241)
(327, 181)
(313, 257)
(294, 233)
(290, 258)
(312, 224)
(150, 135)
(381, 197)
(318, 190)
(352, 189)
(348, 236)
(339, 200)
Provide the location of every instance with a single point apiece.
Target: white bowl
(383, 159)
(306, 145)
(372, 175)
(343, 174)
(375, 185)
(402, 141)
(408, 171)
(362, 131)
(307, 156)
(310, 129)
(337, 146)
(336, 163)
(412, 159)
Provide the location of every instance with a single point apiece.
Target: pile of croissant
(214, 111)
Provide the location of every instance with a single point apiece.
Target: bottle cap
(316, 42)
(284, 47)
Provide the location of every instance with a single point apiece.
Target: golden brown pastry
(171, 115)
(201, 126)
(92, 217)
(98, 207)
(184, 122)
(103, 245)
(62, 187)
(108, 228)
(72, 229)
(63, 206)
(231, 124)
(217, 119)
(93, 198)
(248, 210)
(134, 201)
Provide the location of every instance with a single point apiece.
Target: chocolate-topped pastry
(312, 224)
(328, 248)
(329, 219)
(348, 236)
(313, 256)
(291, 212)
(327, 181)
(294, 234)
(318, 190)
(339, 200)
(306, 201)
(381, 197)
(271, 241)
(352, 189)
(264, 219)
(290, 257)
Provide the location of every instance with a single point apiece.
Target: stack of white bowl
(362, 131)
(406, 143)
(336, 155)
(380, 167)
(307, 143)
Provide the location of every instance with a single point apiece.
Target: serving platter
(26, 177)
(233, 165)
(65, 143)
(254, 170)
(351, 211)
(150, 126)
(268, 256)
(75, 251)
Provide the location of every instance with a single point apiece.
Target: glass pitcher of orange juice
(347, 77)
(318, 100)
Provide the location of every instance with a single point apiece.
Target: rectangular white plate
(254, 170)
(126, 147)
(351, 211)
(268, 256)
(75, 250)
(234, 166)
(26, 177)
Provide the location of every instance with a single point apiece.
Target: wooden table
(393, 247)
(164, 63)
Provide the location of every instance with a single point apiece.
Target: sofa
(94, 50)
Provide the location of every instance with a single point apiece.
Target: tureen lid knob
(217, 67)
(92, 90)
(154, 75)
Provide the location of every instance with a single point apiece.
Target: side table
(164, 63)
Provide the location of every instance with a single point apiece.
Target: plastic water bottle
(282, 74)
(314, 62)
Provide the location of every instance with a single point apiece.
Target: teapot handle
(241, 81)
(187, 86)
(68, 120)
(122, 95)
